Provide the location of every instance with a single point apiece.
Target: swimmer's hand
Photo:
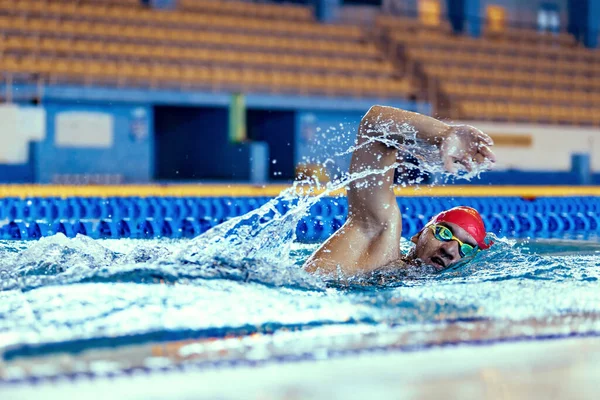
(467, 146)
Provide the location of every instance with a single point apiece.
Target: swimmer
(370, 238)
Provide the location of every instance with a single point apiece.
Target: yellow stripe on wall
(512, 140)
(273, 190)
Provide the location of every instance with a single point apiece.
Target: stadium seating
(291, 12)
(193, 20)
(160, 75)
(178, 55)
(506, 75)
(128, 32)
(257, 47)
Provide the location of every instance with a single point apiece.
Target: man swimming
(370, 238)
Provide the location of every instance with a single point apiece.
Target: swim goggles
(444, 234)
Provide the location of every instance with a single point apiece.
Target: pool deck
(547, 369)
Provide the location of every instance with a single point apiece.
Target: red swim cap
(467, 218)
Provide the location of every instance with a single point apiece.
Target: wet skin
(370, 238)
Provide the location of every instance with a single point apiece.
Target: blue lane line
(208, 365)
(154, 217)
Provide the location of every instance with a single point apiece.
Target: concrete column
(259, 163)
(237, 119)
(581, 167)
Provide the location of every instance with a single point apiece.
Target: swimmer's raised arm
(371, 236)
(371, 200)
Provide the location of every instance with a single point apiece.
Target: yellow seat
(142, 73)
(580, 115)
(545, 113)
(513, 112)
(22, 43)
(61, 68)
(127, 71)
(501, 110)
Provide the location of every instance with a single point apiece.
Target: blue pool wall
(294, 129)
(134, 156)
(131, 154)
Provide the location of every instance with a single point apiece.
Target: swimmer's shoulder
(402, 262)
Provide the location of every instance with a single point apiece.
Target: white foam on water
(246, 272)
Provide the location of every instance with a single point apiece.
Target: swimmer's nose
(449, 250)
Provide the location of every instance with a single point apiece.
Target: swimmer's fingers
(486, 152)
(466, 159)
(484, 138)
(481, 162)
(474, 135)
(479, 158)
(467, 163)
(475, 159)
(449, 164)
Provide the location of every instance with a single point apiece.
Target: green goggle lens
(445, 235)
(466, 250)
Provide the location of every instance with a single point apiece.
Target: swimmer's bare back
(370, 238)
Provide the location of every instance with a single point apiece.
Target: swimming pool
(78, 306)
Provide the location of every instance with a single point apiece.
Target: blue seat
(87, 227)
(63, 226)
(16, 230)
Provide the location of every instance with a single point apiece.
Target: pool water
(79, 298)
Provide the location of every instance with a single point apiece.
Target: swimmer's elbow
(383, 115)
(322, 267)
(374, 112)
(310, 266)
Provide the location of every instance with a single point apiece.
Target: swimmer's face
(437, 253)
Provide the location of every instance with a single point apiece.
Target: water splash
(58, 260)
(266, 234)
(253, 247)
(106, 304)
(244, 276)
(427, 156)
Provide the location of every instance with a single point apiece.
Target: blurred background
(130, 91)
